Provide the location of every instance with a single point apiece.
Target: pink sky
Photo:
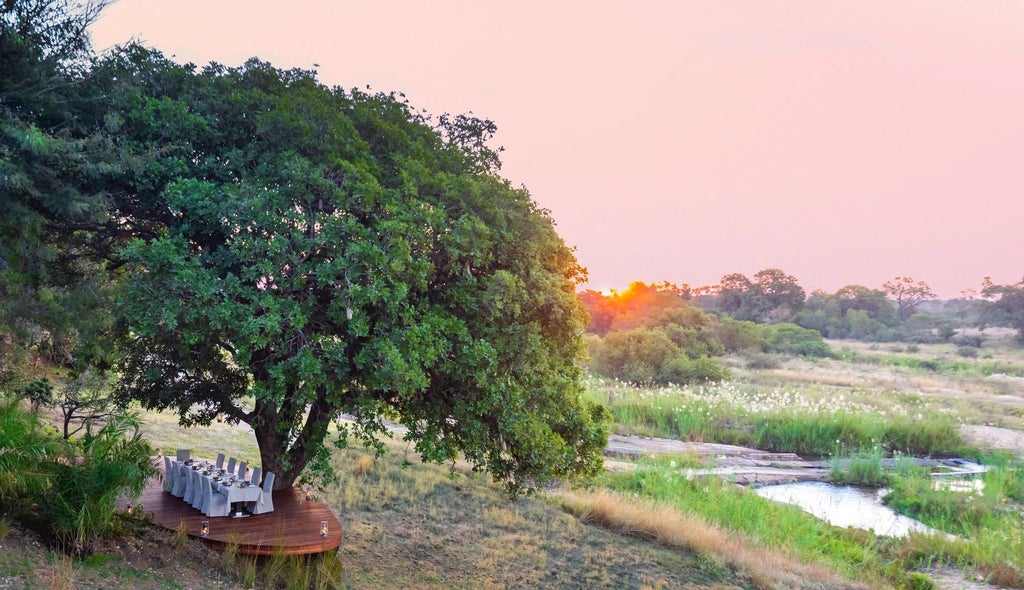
(843, 142)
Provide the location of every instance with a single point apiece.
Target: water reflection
(845, 506)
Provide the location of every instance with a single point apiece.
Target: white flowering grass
(802, 419)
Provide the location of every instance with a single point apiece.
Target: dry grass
(63, 575)
(671, 528)
(363, 465)
(431, 526)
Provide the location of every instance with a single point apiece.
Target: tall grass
(863, 467)
(779, 527)
(988, 524)
(777, 420)
(819, 433)
(661, 522)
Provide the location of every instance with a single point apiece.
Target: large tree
(772, 296)
(330, 253)
(1004, 305)
(52, 147)
(908, 294)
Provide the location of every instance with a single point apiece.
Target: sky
(842, 142)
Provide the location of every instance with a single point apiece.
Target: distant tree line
(666, 333)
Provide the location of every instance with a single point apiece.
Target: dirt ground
(994, 437)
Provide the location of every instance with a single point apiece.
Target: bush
(762, 361)
(701, 370)
(792, 339)
(739, 335)
(86, 483)
(69, 490)
(647, 357)
(967, 351)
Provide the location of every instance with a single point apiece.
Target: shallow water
(845, 506)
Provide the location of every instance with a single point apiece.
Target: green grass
(988, 524)
(778, 526)
(776, 420)
(862, 468)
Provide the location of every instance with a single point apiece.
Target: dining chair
(183, 455)
(266, 501)
(180, 479)
(257, 474)
(190, 485)
(241, 469)
(168, 475)
(231, 466)
(220, 461)
(203, 495)
(215, 503)
(197, 485)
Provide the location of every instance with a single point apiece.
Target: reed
(863, 467)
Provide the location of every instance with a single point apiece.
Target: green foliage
(38, 393)
(967, 351)
(772, 296)
(25, 447)
(818, 433)
(69, 490)
(863, 467)
(650, 356)
(1005, 306)
(776, 525)
(792, 339)
(331, 253)
(107, 463)
(908, 294)
(52, 149)
(736, 335)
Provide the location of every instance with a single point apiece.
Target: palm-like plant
(99, 468)
(25, 449)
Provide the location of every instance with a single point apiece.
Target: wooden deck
(293, 528)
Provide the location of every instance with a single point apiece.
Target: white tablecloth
(235, 494)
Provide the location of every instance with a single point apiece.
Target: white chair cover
(168, 474)
(220, 461)
(266, 501)
(203, 494)
(216, 504)
(197, 485)
(180, 479)
(190, 486)
(257, 475)
(241, 470)
(231, 465)
(183, 455)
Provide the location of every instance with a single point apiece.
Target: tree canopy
(328, 253)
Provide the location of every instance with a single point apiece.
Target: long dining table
(237, 490)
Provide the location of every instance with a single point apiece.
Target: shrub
(967, 351)
(739, 335)
(792, 339)
(87, 481)
(643, 356)
(762, 361)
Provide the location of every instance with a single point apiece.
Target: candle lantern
(323, 528)
(205, 530)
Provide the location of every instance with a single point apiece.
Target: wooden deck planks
(293, 528)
